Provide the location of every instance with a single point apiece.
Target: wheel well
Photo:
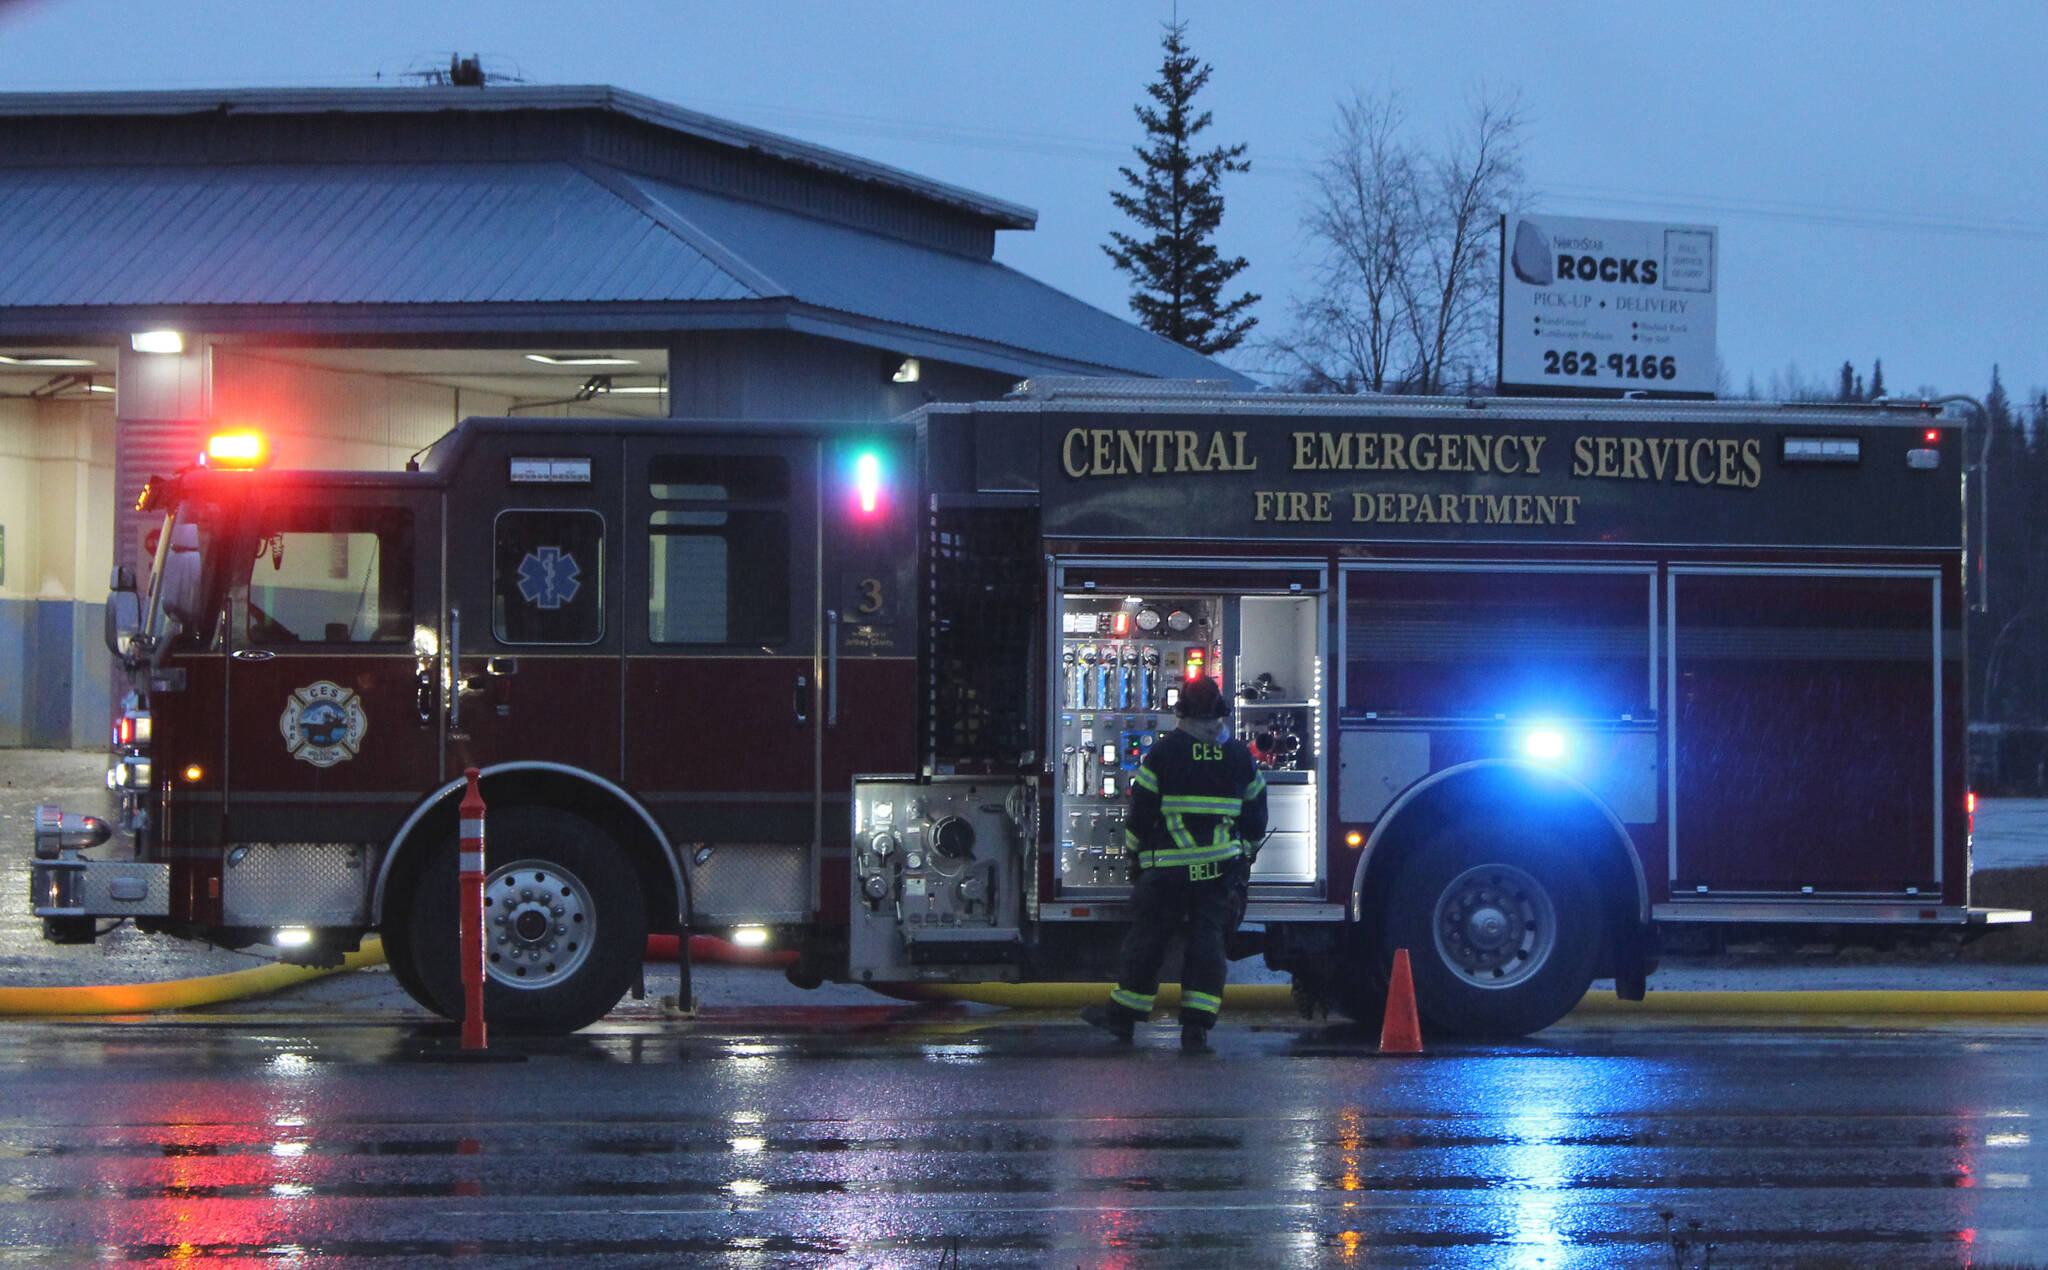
(1527, 796)
(598, 801)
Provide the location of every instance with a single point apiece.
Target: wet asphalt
(325, 1127)
(898, 1136)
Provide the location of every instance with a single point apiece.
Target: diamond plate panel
(752, 881)
(296, 883)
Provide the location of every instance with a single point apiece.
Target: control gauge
(1148, 619)
(1178, 621)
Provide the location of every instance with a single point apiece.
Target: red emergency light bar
(243, 449)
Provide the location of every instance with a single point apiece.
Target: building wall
(780, 375)
(319, 418)
(56, 546)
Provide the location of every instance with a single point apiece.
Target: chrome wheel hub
(538, 924)
(1495, 926)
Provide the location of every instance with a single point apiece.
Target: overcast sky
(1878, 172)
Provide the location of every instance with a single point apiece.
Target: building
(355, 270)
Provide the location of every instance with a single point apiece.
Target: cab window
(718, 550)
(331, 576)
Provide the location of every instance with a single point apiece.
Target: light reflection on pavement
(894, 1135)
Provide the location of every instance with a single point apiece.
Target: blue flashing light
(1545, 745)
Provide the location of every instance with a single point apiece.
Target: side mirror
(123, 620)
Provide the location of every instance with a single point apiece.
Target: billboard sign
(1599, 308)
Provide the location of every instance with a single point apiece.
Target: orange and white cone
(470, 905)
(1401, 1033)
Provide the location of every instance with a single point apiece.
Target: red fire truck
(1530, 680)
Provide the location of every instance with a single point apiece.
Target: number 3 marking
(870, 596)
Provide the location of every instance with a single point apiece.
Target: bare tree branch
(1405, 245)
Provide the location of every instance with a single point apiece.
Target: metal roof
(337, 234)
(568, 234)
(512, 97)
(887, 280)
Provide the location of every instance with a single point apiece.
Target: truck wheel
(399, 955)
(564, 925)
(1501, 927)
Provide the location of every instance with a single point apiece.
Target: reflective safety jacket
(1195, 802)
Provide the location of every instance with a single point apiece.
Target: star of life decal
(549, 577)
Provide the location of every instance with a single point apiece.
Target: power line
(1837, 216)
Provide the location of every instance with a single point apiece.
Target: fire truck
(1529, 681)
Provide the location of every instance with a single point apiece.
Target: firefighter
(1198, 815)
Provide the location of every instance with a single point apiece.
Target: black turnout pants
(1166, 902)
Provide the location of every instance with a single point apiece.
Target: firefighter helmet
(1200, 699)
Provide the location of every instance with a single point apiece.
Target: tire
(1501, 925)
(543, 867)
(399, 954)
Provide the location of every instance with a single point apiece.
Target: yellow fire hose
(181, 994)
(178, 994)
(1882, 1001)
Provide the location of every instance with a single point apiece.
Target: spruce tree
(1177, 273)
(1877, 379)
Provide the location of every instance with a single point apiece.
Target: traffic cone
(1401, 1033)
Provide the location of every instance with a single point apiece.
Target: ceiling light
(635, 390)
(581, 359)
(158, 342)
(92, 387)
(10, 360)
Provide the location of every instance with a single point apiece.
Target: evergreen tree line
(2008, 628)
(1402, 232)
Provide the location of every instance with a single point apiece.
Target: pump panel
(938, 872)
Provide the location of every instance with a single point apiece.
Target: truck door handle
(423, 695)
(802, 703)
(831, 668)
(252, 654)
(454, 669)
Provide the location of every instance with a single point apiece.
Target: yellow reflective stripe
(1147, 780)
(1174, 856)
(1131, 842)
(1131, 1000)
(1257, 787)
(1201, 805)
(1201, 1001)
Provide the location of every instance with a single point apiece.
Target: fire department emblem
(323, 724)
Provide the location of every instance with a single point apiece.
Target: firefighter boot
(1112, 1019)
(1194, 1037)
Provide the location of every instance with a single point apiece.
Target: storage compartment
(1277, 712)
(1121, 656)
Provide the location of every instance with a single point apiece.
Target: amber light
(193, 773)
(1354, 839)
